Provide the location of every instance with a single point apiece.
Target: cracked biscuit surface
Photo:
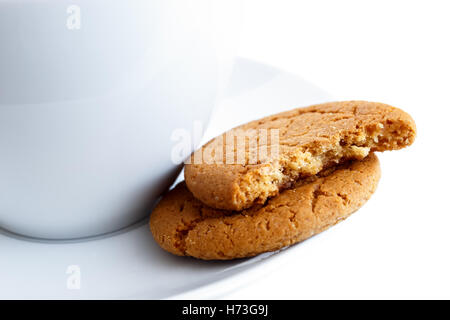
(308, 141)
(184, 226)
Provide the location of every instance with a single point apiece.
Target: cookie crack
(315, 195)
(293, 216)
(344, 198)
(182, 232)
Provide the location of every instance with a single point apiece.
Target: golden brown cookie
(184, 226)
(309, 140)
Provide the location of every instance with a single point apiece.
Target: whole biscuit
(309, 140)
(184, 226)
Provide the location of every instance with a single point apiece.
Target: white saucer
(129, 264)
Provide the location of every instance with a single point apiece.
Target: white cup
(90, 92)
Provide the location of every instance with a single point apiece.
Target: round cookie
(184, 226)
(282, 148)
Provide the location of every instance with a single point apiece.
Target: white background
(397, 52)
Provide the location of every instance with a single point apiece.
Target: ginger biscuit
(307, 141)
(185, 226)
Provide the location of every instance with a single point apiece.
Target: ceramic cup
(90, 93)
